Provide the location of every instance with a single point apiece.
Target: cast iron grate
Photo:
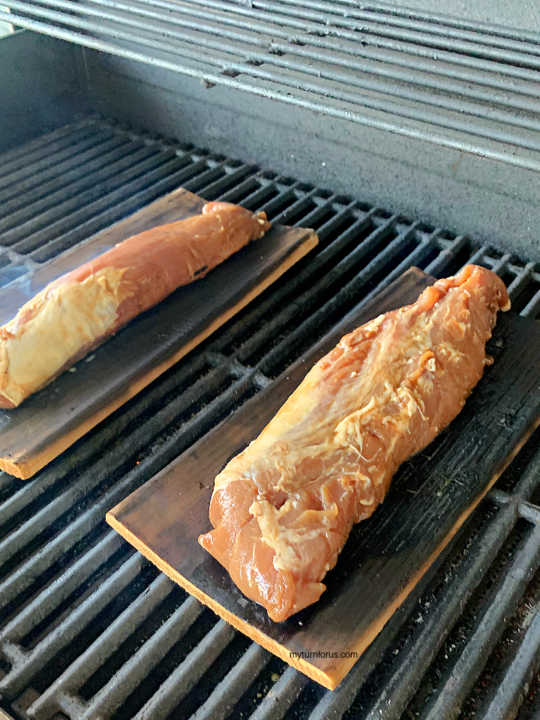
(88, 628)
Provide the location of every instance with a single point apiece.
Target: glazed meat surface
(80, 310)
(282, 510)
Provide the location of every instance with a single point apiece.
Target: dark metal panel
(39, 87)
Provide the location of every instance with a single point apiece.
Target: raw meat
(77, 312)
(283, 509)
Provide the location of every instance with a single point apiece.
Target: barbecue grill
(338, 111)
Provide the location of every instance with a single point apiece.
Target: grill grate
(88, 628)
(461, 85)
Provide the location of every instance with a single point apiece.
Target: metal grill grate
(88, 628)
(461, 85)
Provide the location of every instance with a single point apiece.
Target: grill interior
(88, 628)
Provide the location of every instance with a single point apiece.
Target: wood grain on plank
(53, 419)
(430, 498)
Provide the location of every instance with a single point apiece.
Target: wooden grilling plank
(53, 419)
(385, 557)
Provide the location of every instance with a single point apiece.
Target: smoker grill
(90, 629)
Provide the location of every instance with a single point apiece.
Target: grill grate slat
(415, 76)
(77, 591)
(460, 679)
(284, 693)
(518, 650)
(84, 614)
(107, 166)
(232, 687)
(135, 670)
(55, 594)
(92, 145)
(45, 145)
(89, 661)
(182, 680)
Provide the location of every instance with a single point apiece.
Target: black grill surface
(88, 628)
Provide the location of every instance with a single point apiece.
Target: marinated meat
(283, 509)
(77, 312)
